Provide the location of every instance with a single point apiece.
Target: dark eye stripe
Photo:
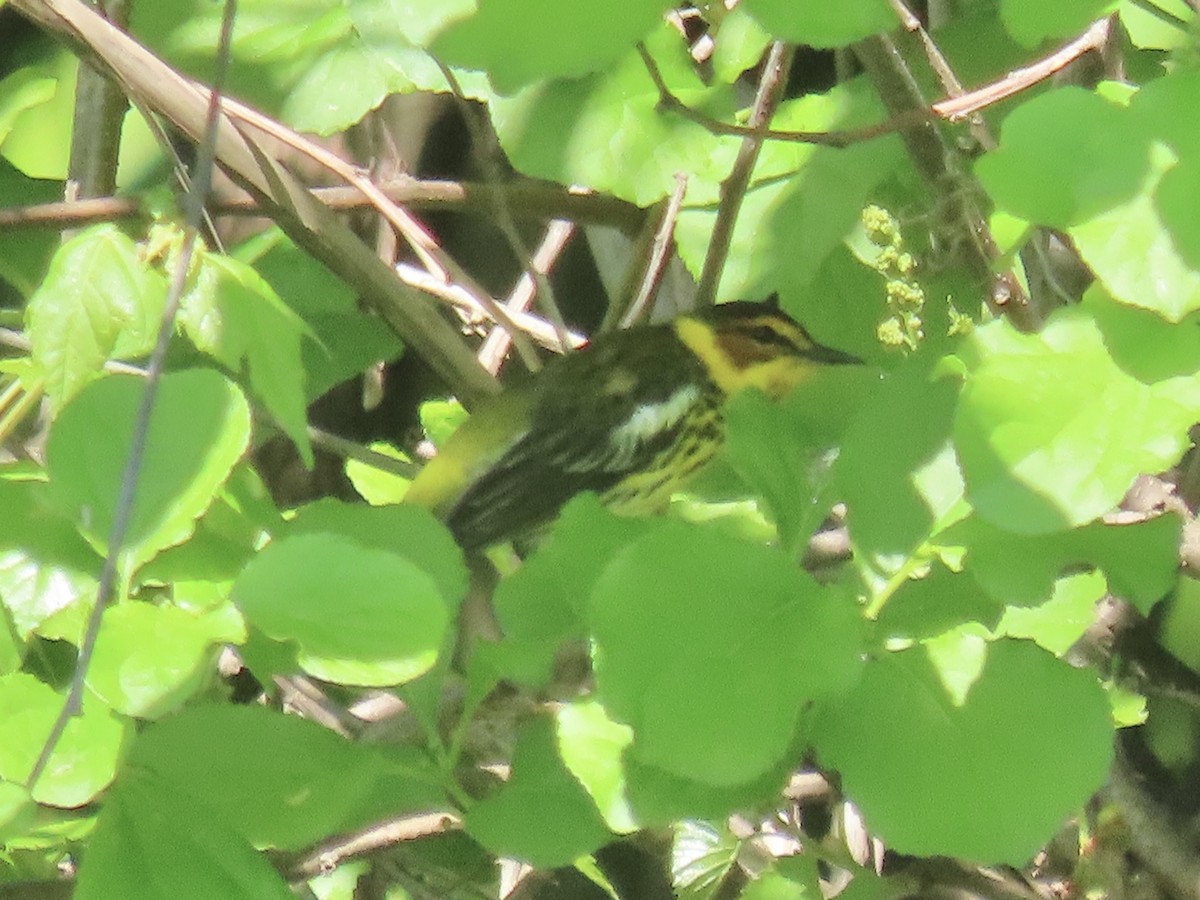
(768, 336)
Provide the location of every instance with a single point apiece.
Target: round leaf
(150, 658)
(373, 617)
(1064, 157)
(709, 648)
(85, 759)
(1030, 722)
(1051, 432)
(200, 427)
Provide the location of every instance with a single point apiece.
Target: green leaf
(35, 126)
(25, 252)
(896, 498)
(820, 24)
(701, 856)
(710, 648)
(85, 760)
(521, 41)
(45, 566)
(774, 885)
(376, 486)
(659, 798)
(149, 659)
(1146, 251)
(155, 842)
(1065, 157)
(394, 34)
(275, 46)
(943, 599)
(199, 428)
(1030, 722)
(360, 615)
(740, 44)
(785, 450)
(285, 56)
(419, 20)
(12, 645)
(407, 531)
(605, 130)
(99, 301)
(1149, 30)
(592, 745)
(441, 418)
(513, 821)
(341, 339)
(26, 88)
(1062, 620)
(542, 605)
(1179, 630)
(1051, 432)
(233, 314)
(278, 781)
(1031, 22)
(1140, 560)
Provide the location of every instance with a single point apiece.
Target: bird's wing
(596, 418)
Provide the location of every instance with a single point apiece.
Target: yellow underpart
(774, 377)
(650, 490)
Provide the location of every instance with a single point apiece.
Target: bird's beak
(831, 357)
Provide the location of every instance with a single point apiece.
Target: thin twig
(733, 188)
(660, 255)
(528, 199)
(1168, 18)
(951, 109)
(346, 449)
(437, 262)
(179, 168)
(413, 232)
(537, 328)
(482, 147)
(945, 74)
(123, 511)
(386, 834)
(496, 345)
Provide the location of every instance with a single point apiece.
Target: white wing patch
(647, 421)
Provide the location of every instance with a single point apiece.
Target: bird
(632, 415)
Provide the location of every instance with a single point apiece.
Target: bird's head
(747, 344)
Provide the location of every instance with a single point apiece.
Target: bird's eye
(768, 336)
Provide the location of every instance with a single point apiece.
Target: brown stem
(733, 189)
(96, 130)
(952, 109)
(939, 166)
(529, 199)
(495, 347)
(659, 256)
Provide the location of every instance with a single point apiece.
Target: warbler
(631, 416)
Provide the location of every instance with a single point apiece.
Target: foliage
(978, 463)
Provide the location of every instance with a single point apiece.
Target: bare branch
(495, 347)
(386, 834)
(664, 239)
(528, 199)
(952, 109)
(733, 188)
